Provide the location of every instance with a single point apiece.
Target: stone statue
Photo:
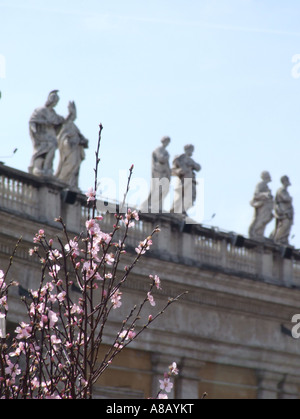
(284, 213)
(262, 203)
(71, 144)
(44, 125)
(161, 175)
(184, 168)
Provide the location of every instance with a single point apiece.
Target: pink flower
(55, 340)
(54, 254)
(3, 302)
(91, 194)
(131, 215)
(105, 237)
(166, 385)
(109, 258)
(38, 237)
(52, 318)
(156, 280)
(91, 271)
(116, 299)
(173, 369)
(2, 283)
(18, 350)
(54, 271)
(73, 248)
(162, 396)
(61, 296)
(151, 299)
(76, 309)
(143, 246)
(12, 369)
(118, 345)
(128, 335)
(23, 331)
(131, 335)
(92, 227)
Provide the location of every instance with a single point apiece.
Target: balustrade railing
(18, 195)
(29, 196)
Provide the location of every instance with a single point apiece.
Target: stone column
(189, 378)
(289, 388)
(269, 384)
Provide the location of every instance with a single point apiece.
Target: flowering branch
(55, 351)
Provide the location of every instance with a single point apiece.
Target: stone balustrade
(44, 199)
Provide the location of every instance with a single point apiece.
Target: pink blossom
(20, 349)
(151, 299)
(131, 215)
(118, 345)
(12, 369)
(72, 247)
(35, 383)
(53, 397)
(54, 254)
(2, 283)
(92, 227)
(156, 280)
(131, 335)
(166, 385)
(162, 396)
(54, 271)
(116, 299)
(128, 335)
(173, 369)
(23, 331)
(76, 309)
(32, 310)
(55, 340)
(105, 237)
(90, 271)
(143, 246)
(109, 258)
(91, 194)
(61, 296)
(38, 237)
(52, 318)
(3, 302)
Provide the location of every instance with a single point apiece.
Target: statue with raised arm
(262, 203)
(184, 168)
(284, 213)
(44, 125)
(160, 181)
(71, 145)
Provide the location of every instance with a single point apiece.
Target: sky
(223, 75)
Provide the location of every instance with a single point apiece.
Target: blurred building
(230, 334)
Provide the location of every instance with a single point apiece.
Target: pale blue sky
(214, 73)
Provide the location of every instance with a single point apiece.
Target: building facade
(230, 334)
